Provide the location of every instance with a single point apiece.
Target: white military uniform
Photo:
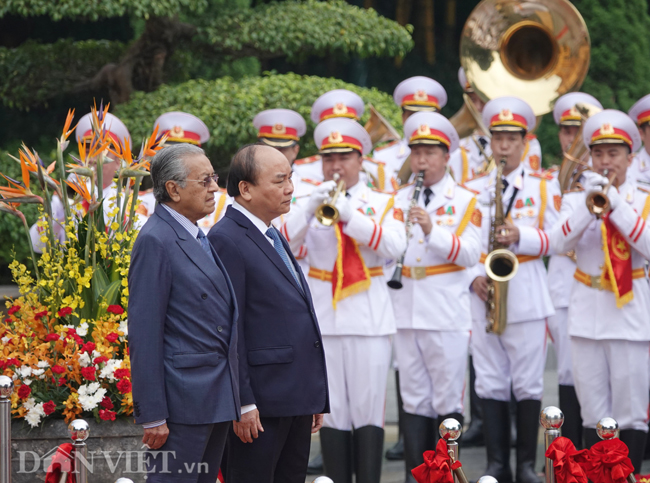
(467, 161)
(373, 172)
(432, 309)
(222, 201)
(519, 354)
(640, 169)
(610, 344)
(393, 155)
(357, 328)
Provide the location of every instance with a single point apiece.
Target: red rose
(49, 407)
(106, 415)
(112, 337)
(62, 381)
(121, 373)
(24, 391)
(115, 309)
(58, 369)
(88, 373)
(106, 403)
(38, 315)
(13, 309)
(13, 362)
(100, 359)
(64, 311)
(52, 337)
(88, 347)
(124, 386)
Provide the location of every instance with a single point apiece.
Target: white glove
(345, 209)
(318, 197)
(614, 197)
(593, 182)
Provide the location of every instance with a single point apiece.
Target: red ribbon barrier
(436, 467)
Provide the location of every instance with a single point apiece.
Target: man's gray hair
(168, 165)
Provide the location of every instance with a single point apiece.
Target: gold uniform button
(421, 240)
(418, 259)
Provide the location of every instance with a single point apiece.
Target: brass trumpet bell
(327, 214)
(537, 50)
(501, 265)
(379, 128)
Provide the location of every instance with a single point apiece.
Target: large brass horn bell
(537, 50)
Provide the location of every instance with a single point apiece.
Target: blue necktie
(205, 244)
(277, 244)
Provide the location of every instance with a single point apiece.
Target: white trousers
(432, 370)
(514, 359)
(558, 328)
(357, 372)
(611, 379)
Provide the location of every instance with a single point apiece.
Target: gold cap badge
(335, 137)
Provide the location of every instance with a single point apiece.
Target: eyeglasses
(206, 182)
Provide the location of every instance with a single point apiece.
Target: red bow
(62, 462)
(567, 462)
(436, 467)
(608, 462)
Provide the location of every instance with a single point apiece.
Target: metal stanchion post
(79, 432)
(487, 479)
(6, 390)
(321, 479)
(123, 480)
(607, 428)
(551, 419)
(450, 430)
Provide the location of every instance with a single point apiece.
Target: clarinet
(396, 281)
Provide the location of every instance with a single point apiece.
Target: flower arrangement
(64, 340)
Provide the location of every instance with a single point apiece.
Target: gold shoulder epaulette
(469, 189)
(406, 185)
(479, 176)
(530, 136)
(552, 169)
(544, 175)
(372, 160)
(308, 160)
(389, 193)
(574, 190)
(311, 181)
(223, 191)
(645, 190)
(392, 143)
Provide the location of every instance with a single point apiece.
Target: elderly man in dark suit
(283, 380)
(182, 326)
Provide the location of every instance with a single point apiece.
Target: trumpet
(396, 281)
(597, 201)
(501, 265)
(327, 214)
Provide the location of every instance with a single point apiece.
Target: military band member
(561, 268)
(347, 280)
(415, 94)
(610, 301)
(341, 103)
(84, 134)
(640, 169)
(432, 310)
(516, 358)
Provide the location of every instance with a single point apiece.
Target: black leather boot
(635, 441)
(396, 453)
(474, 434)
(368, 454)
(336, 448)
(496, 431)
(572, 427)
(590, 437)
(419, 436)
(527, 432)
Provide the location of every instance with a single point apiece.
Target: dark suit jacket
(182, 329)
(281, 359)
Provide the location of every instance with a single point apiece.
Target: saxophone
(500, 264)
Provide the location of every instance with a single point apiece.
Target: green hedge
(96, 9)
(228, 107)
(33, 73)
(300, 28)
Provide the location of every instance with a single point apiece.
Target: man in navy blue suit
(282, 374)
(182, 326)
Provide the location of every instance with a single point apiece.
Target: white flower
(38, 372)
(29, 404)
(27, 381)
(90, 395)
(82, 330)
(124, 328)
(24, 371)
(109, 369)
(43, 364)
(5, 340)
(84, 360)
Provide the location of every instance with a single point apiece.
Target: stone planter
(114, 450)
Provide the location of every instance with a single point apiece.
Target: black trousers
(191, 454)
(279, 455)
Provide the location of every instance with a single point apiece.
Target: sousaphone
(536, 50)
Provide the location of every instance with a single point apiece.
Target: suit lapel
(263, 242)
(195, 253)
